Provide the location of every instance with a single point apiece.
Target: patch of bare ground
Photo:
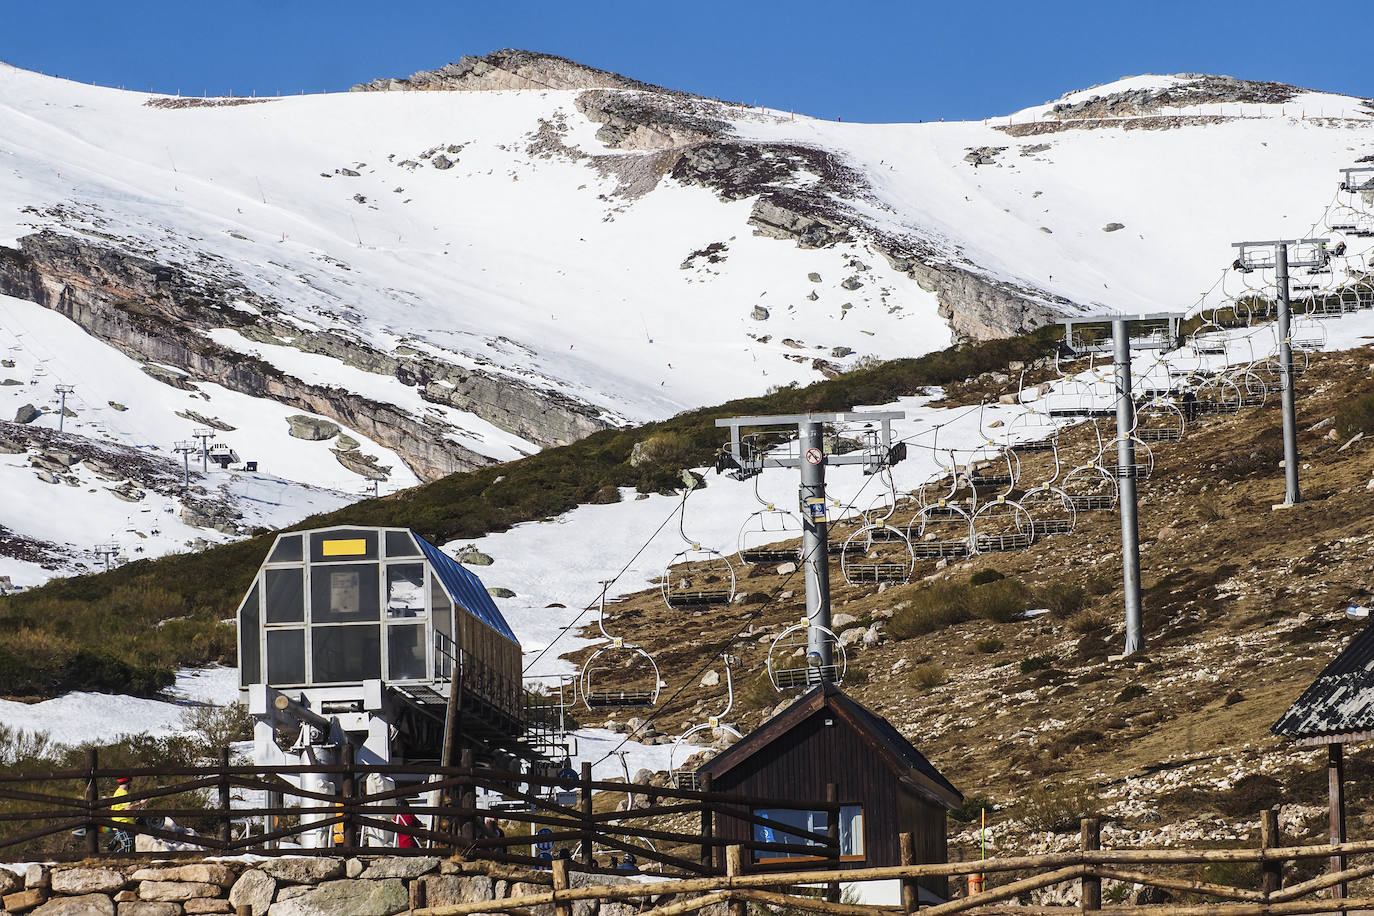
(1244, 605)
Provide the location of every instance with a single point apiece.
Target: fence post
(734, 867)
(907, 851)
(1271, 872)
(467, 800)
(92, 796)
(349, 793)
(832, 832)
(1335, 780)
(707, 826)
(1090, 840)
(225, 828)
(560, 883)
(586, 800)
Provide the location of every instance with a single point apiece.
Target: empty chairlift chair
(617, 662)
(684, 778)
(1160, 420)
(697, 576)
(879, 552)
(1001, 525)
(763, 535)
(1090, 488)
(792, 665)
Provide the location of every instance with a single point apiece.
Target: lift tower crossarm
(1354, 184)
(812, 460)
(800, 420)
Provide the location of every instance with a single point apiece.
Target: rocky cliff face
(509, 69)
(1200, 89)
(696, 144)
(160, 315)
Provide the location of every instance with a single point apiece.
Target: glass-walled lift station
(383, 631)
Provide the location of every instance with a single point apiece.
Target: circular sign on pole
(813, 456)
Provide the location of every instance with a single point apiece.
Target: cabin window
(405, 590)
(851, 832)
(343, 545)
(285, 657)
(250, 652)
(342, 655)
(346, 593)
(445, 649)
(405, 652)
(285, 595)
(400, 544)
(288, 549)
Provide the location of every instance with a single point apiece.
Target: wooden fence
(328, 810)
(1265, 893)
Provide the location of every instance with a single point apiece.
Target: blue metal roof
(466, 589)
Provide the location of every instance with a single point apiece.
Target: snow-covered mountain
(399, 283)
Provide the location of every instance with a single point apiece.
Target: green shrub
(1063, 599)
(984, 576)
(931, 609)
(988, 644)
(1059, 807)
(1356, 415)
(1001, 601)
(931, 674)
(1250, 794)
(1035, 663)
(1131, 692)
(972, 809)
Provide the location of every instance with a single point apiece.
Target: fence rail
(349, 808)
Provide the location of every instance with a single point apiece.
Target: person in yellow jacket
(120, 839)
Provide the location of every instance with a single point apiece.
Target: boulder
(302, 869)
(711, 679)
(37, 875)
(354, 867)
(176, 890)
(20, 901)
(448, 890)
(312, 429)
(471, 556)
(497, 591)
(851, 283)
(254, 889)
(839, 621)
(759, 313)
(85, 905)
(441, 162)
(786, 569)
(74, 881)
(10, 382)
(1113, 227)
(9, 881)
(150, 908)
(198, 905)
(814, 277)
(400, 867)
(840, 352)
(355, 897)
(204, 873)
(26, 414)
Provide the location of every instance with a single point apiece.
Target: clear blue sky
(863, 60)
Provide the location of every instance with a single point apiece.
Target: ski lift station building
(886, 787)
(376, 637)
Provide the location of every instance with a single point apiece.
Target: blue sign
(567, 773)
(544, 847)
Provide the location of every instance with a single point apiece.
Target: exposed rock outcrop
(508, 68)
(159, 314)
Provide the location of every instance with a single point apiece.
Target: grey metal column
(1290, 420)
(815, 552)
(1125, 460)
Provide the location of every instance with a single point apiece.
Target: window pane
(250, 653)
(405, 590)
(445, 651)
(851, 830)
(288, 549)
(345, 654)
(285, 657)
(344, 594)
(400, 544)
(405, 652)
(343, 545)
(285, 595)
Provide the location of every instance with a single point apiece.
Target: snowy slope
(495, 231)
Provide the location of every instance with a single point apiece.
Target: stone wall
(290, 886)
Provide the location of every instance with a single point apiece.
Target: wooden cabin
(1336, 709)
(886, 787)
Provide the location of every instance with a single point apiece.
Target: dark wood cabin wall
(488, 646)
(926, 822)
(800, 763)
